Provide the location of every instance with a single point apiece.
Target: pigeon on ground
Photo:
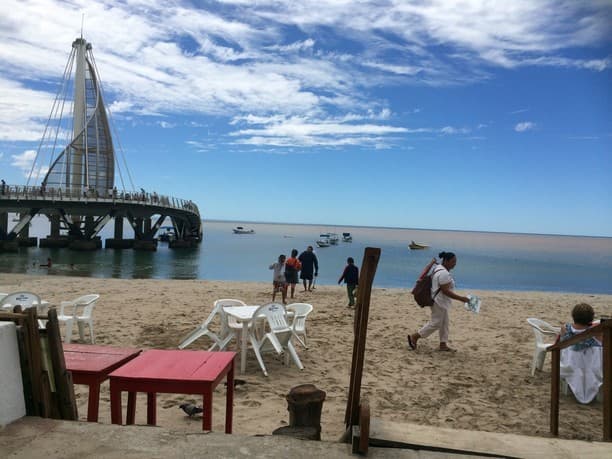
(190, 409)
(237, 382)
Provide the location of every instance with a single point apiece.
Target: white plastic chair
(298, 325)
(221, 340)
(69, 314)
(24, 299)
(541, 330)
(233, 325)
(277, 339)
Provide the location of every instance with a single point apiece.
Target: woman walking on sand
(442, 286)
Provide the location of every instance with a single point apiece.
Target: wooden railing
(604, 327)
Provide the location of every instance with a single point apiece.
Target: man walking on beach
(310, 264)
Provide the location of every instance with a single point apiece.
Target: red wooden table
(91, 365)
(173, 372)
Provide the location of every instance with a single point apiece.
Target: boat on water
(417, 245)
(168, 233)
(332, 238)
(323, 242)
(346, 237)
(243, 230)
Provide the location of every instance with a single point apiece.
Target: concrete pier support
(118, 227)
(114, 243)
(24, 239)
(9, 246)
(145, 246)
(3, 224)
(55, 226)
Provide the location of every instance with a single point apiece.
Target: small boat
(168, 234)
(243, 230)
(323, 242)
(346, 237)
(332, 238)
(417, 245)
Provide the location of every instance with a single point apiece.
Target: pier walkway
(144, 211)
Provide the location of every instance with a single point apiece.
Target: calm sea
(489, 261)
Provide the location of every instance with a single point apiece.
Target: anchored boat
(243, 230)
(417, 245)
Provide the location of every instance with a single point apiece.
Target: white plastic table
(244, 315)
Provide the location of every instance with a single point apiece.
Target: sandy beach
(485, 385)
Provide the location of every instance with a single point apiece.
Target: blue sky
(472, 115)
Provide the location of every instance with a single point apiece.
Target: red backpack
(422, 289)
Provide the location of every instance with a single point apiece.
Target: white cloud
(524, 126)
(166, 124)
(24, 162)
(235, 58)
(449, 130)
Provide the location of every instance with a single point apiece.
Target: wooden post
(607, 384)
(304, 403)
(366, 278)
(554, 392)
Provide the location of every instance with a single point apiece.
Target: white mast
(79, 177)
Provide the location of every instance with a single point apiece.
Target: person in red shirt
(292, 266)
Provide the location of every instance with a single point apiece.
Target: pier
(145, 212)
(78, 194)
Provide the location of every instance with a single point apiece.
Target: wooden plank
(63, 381)
(33, 349)
(364, 428)
(554, 392)
(366, 278)
(607, 384)
(26, 370)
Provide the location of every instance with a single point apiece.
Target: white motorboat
(323, 242)
(332, 238)
(243, 230)
(417, 245)
(346, 237)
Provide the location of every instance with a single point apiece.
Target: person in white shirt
(442, 286)
(279, 283)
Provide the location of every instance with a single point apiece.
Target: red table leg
(131, 408)
(207, 398)
(229, 402)
(115, 401)
(151, 408)
(93, 402)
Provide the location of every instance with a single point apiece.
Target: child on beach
(292, 266)
(279, 283)
(350, 275)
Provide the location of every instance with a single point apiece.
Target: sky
(462, 115)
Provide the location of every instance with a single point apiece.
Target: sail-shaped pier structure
(78, 166)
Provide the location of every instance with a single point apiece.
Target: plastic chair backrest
(229, 302)
(300, 311)
(276, 316)
(87, 302)
(24, 299)
(542, 328)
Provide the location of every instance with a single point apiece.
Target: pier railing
(18, 193)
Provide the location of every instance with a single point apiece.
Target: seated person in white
(581, 363)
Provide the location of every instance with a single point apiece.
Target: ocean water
(488, 261)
